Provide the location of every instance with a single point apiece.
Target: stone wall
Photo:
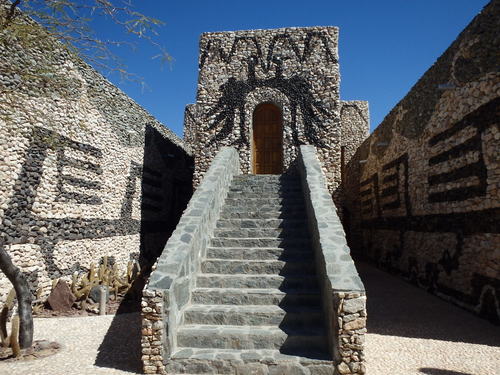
(423, 191)
(169, 288)
(85, 171)
(294, 68)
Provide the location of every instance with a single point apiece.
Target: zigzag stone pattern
(85, 171)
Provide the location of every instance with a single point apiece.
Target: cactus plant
(107, 274)
(14, 337)
(4, 314)
(38, 304)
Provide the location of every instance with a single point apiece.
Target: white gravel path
(410, 332)
(414, 332)
(90, 345)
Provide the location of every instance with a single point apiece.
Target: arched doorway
(267, 142)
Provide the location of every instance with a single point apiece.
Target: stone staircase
(256, 299)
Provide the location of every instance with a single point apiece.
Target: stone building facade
(86, 172)
(295, 70)
(423, 191)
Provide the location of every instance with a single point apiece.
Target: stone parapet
(170, 285)
(341, 288)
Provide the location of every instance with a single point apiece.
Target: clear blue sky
(385, 46)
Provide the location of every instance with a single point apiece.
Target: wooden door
(267, 140)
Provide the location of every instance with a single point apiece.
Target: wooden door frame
(252, 144)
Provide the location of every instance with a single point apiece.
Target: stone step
(243, 201)
(265, 188)
(249, 337)
(247, 361)
(276, 213)
(267, 267)
(284, 243)
(261, 232)
(300, 208)
(266, 211)
(296, 283)
(255, 296)
(265, 194)
(302, 317)
(290, 184)
(252, 355)
(266, 177)
(261, 223)
(261, 253)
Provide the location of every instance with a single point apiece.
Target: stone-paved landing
(410, 332)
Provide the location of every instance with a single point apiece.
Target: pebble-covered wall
(85, 171)
(294, 68)
(424, 189)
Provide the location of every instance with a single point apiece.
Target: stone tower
(266, 92)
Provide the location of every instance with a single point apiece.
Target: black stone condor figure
(297, 89)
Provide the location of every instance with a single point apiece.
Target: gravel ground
(414, 332)
(90, 345)
(410, 332)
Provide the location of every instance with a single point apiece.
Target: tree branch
(11, 12)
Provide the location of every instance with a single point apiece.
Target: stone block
(355, 324)
(251, 369)
(61, 298)
(321, 369)
(343, 368)
(354, 305)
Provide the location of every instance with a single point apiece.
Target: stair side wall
(342, 291)
(423, 191)
(168, 290)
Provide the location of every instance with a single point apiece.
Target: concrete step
(249, 337)
(255, 267)
(284, 243)
(302, 317)
(255, 296)
(262, 232)
(298, 213)
(260, 253)
(296, 283)
(261, 223)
